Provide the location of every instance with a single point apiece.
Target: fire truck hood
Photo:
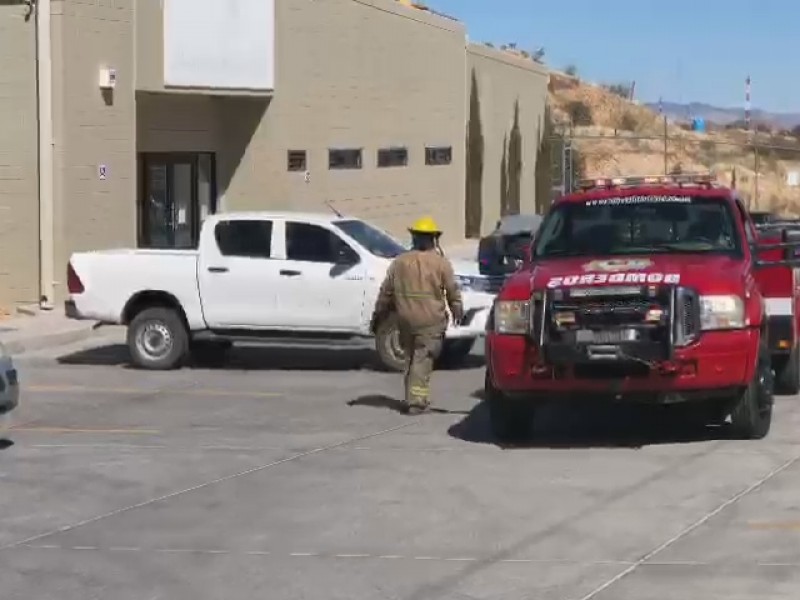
(707, 273)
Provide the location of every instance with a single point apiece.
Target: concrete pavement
(42, 331)
(290, 475)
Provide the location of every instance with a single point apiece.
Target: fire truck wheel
(787, 374)
(751, 417)
(511, 420)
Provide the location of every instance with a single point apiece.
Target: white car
(282, 279)
(9, 383)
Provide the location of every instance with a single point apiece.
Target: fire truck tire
(787, 374)
(511, 420)
(751, 416)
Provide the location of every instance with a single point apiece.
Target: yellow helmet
(425, 225)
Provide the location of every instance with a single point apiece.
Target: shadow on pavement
(247, 359)
(267, 359)
(389, 403)
(378, 401)
(5, 444)
(596, 426)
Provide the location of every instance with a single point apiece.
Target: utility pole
(666, 147)
(755, 184)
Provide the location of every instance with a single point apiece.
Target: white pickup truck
(261, 278)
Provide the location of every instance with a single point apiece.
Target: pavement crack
(687, 530)
(119, 511)
(444, 585)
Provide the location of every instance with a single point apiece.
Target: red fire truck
(780, 287)
(648, 289)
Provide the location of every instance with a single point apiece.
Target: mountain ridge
(724, 115)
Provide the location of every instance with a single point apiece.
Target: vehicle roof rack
(706, 180)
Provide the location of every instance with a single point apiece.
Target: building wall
(356, 74)
(93, 128)
(362, 74)
(502, 82)
(19, 213)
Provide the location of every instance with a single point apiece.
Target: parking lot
(292, 475)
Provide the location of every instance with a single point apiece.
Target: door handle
(289, 273)
(218, 269)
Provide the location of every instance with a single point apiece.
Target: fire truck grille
(687, 316)
(606, 312)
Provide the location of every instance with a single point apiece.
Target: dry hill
(615, 136)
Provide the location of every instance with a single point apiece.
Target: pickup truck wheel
(388, 346)
(511, 420)
(787, 374)
(157, 339)
(751, 417)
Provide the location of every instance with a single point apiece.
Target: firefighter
(419, 287)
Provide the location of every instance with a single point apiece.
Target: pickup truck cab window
(376, 242)
(639, 224)
(244, 238)
(306, 242)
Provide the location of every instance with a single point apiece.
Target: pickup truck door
(237, 276)
(322, 280)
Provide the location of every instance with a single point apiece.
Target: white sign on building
(223, 44)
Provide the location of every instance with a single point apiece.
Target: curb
(47, 340)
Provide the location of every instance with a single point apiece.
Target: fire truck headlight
(721, 312)
(511, 316)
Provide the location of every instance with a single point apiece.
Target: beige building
(124, 122)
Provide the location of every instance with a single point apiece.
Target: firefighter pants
(421, 350)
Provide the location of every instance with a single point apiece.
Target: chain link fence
(764, 169)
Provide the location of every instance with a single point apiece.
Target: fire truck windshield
(639, 224)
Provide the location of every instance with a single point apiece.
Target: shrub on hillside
(623, 90)
(579, 113)
(571, 70)
(627, 122)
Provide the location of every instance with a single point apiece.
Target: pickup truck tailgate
(101, 284)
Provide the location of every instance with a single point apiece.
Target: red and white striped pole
(747, 103)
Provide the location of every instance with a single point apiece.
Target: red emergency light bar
(683, 180)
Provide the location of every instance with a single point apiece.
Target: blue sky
(683, 50)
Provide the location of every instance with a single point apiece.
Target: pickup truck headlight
(721, 312)
(511, 316)
(469, 283)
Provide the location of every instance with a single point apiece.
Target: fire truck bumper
(717, 365)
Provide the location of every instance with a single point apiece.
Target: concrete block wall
(19, 212)
(504, 83)
(357, 74)
(93, 128)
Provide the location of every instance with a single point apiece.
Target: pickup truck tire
(511, 420)
(388, 346)
(751, 416)
(787, 374)
(158, 339)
